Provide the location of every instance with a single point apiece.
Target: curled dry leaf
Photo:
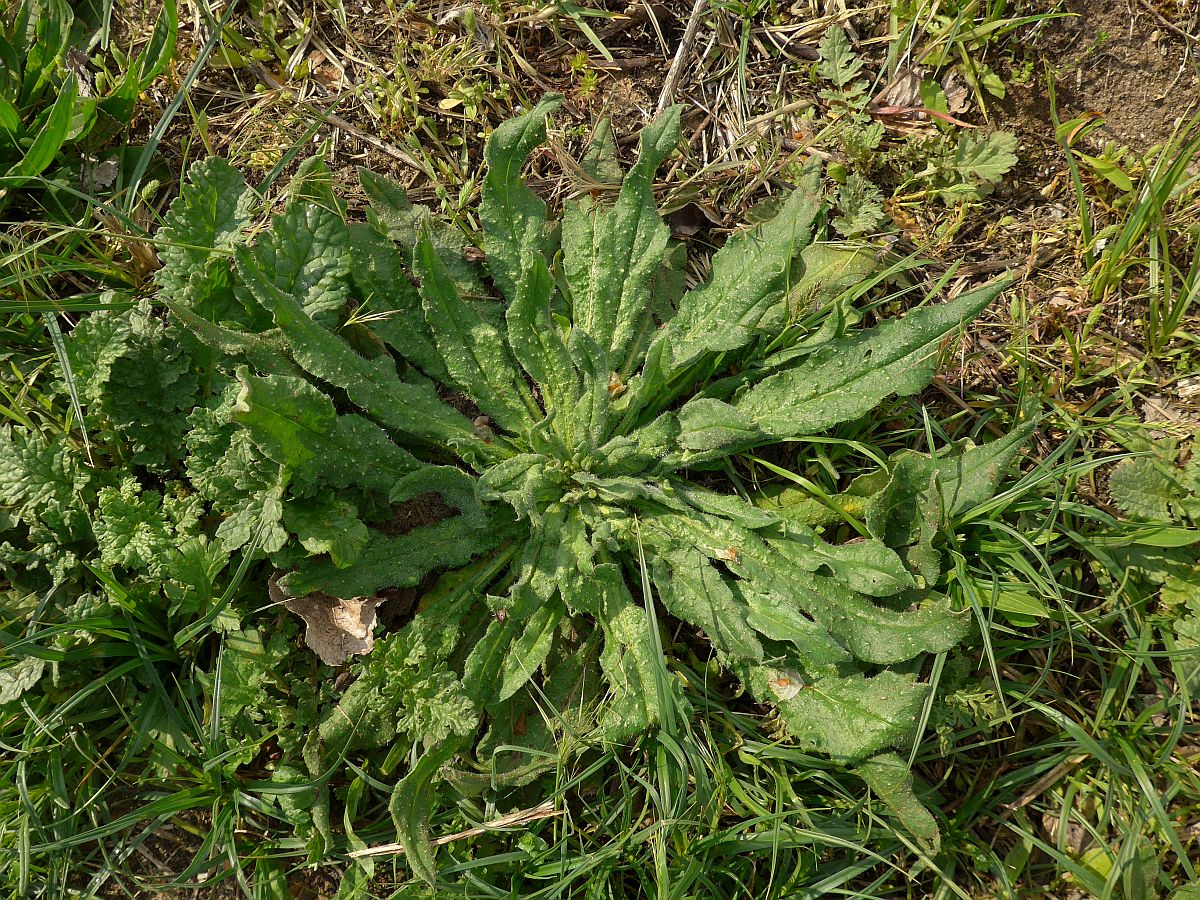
(956, 93)
(335, 628)
(904, 91)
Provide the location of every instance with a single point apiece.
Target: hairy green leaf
(514, 218)
(475, 354)
(612, 253)
(846, 378)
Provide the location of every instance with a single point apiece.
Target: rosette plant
(544, 430)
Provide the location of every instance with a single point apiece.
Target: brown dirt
(1118, 58)
(424, 509)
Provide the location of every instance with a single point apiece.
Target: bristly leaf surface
(394, 421)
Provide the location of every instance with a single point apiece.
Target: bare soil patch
(1119, 58)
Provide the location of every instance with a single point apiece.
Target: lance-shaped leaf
(829, 269)
(872, 633)
(816, 652)
(692, 589)
(371, 383)
(850, 718)
(409, 807)
(514, 218)
(848, 377)
(266, 352)
(526, 483)
(611, 254)
(750, 274)
(392, 215)
(378, 271)
(710, 430)
(531, 648)
(535, 337)
(591, 415)
(890, 779)
(866, 566)
(475, 354)
(628, 657)
(543, 557)
(520, 743)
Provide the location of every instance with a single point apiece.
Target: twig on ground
(1167, 23)
(681, 52)
(519, 817)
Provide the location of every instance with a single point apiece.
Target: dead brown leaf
(335, 628)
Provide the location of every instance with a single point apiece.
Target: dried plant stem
(681, 52)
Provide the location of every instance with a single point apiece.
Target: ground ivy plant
(549, 430)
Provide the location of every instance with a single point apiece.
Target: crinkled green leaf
(1144, 488)
(306, 254)
(514, 218)
(200, 228)
(846, 378)
(17, 679)
(132, 368)
(139, 529)
(41, 480)
(327, 525)
(612, 253)
(861, 205)
(255, 518)
(475, 354)
(872, 633)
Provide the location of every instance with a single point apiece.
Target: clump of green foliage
(51, 100)
(1159, 561)
(953, 164)
(553, 471)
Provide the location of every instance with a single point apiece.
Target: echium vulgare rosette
(568, 433)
